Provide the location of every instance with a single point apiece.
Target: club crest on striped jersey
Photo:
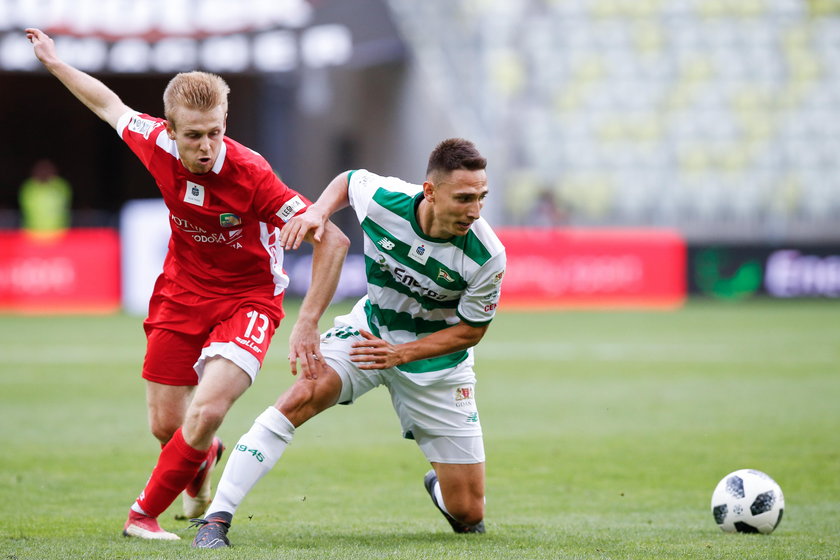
(194, 194)
(443, 275)
(419, 251)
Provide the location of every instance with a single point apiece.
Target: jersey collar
(220, 161)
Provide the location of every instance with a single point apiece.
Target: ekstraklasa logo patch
(292, 206)
(142, 126)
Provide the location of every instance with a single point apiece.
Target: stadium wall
(99, 270)
(737, 272)
(73, 272)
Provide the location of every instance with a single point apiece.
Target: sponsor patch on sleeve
(142, 126)
(497, 279)
(292, 207)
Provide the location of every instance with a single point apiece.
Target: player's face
(198, 135)
(457, 199)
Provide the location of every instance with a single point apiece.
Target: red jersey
(225, 223)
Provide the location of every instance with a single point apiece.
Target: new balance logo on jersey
(386, 243)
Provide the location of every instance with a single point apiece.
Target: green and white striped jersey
(417, 285)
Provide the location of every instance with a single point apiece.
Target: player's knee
(305, 399)
(468, 512)
(206, 418)
(162, 430)
(164, 426)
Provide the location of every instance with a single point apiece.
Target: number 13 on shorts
(255, 331)
(250, 329)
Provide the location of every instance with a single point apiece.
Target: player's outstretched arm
(87, 89)
(376, 353)
(327, 259)
(314, 220)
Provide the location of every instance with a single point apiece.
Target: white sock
(251, 458)
(439, 498)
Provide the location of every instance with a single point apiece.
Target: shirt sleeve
(479, 301)
(140, 132)
(364, 184)
(360, 191)
(275, 201)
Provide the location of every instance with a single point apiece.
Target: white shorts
(441, 417)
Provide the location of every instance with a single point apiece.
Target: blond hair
(200, 91)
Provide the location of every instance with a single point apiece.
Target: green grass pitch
(605, 432)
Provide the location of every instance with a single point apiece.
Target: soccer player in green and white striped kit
(434, 272)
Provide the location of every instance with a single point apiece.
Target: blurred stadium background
(632, 143)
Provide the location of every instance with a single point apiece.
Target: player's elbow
(334, 239)
(472, 334)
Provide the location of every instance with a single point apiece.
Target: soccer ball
(748, 501)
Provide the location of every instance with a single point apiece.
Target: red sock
(177, 465)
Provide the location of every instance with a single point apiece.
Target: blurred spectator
(45, 200)
(546, 212)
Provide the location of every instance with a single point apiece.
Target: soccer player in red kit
(218, 301)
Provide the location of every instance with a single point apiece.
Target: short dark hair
(455, 153)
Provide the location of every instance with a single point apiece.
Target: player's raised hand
(295, 231)
(43, 45)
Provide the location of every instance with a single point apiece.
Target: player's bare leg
(309, 397)
(182, 457)
(222, 383)
(458, 492)
(259, 449)
(167, 406)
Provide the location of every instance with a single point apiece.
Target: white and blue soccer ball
(748, 501)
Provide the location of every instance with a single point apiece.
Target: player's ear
(428, 191)
(170, 129)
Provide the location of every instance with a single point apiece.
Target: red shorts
(184, 329)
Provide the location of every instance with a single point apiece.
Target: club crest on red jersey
(229, 220)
